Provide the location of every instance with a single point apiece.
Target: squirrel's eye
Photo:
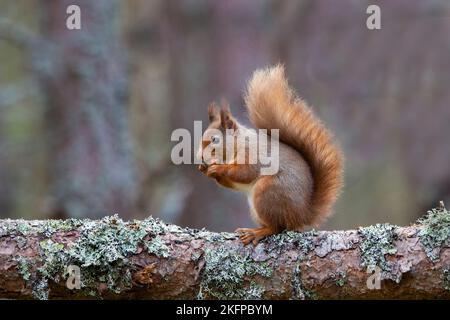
(215, 139)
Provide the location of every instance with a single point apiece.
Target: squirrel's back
(272, 104)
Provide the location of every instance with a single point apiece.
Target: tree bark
(149, 259)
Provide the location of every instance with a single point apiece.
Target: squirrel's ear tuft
(213, 112)
(227, 120)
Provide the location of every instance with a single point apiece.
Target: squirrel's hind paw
(253, 235)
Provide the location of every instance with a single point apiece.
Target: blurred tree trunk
(5, 189)
(84, 78)
(203, 30)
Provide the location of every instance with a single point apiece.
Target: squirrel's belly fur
(248, 189)
(285, 197)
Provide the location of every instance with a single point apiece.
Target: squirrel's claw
(212, 171)
(253, 235)
(203, 167)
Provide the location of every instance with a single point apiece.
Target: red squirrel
(310, 175)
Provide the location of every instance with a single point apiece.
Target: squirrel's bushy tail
(272, 104)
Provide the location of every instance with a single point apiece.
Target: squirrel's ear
(213, 112)
(227, 120)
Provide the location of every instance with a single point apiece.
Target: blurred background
(86, 115)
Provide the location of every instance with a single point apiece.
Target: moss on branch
(111, 252)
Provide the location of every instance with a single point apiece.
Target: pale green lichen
(23, 266)
(297, 286)
(211, 237)
(299, 290)
(40, 289)
(255, 291)
(446, 279)
(303, 241)
(33, 227)
(54, 255)
(376, 242)
(196, 255)
(435, 232)
(103, 242)
(21, 241)
(340, 278)
(226, 273)
(100, 249)
(157, 247)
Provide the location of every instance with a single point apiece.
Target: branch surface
(149, 259)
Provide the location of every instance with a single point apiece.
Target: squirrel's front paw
(213, 171)
(203, 167)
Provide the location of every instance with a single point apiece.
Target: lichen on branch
(150, 259)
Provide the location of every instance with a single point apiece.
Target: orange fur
(309, 178)
(272, 104)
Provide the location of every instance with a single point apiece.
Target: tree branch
(152, 260)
